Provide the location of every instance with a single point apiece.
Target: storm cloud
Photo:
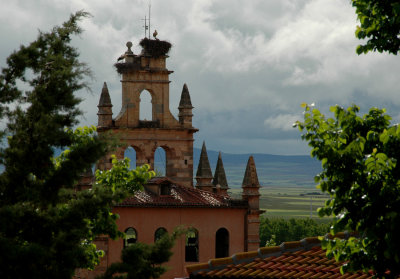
(248, 64)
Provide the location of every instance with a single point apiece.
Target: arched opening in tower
(146, 107)
(160, 162)
(130, 153)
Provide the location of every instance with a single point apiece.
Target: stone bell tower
(147, 71)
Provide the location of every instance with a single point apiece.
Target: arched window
(130, 237)
(159, 233)
(222, 243)
(131, 154)
(146, 107)
(160, 162)
(192, 246)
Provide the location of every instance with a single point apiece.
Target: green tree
(361, 173)
(46, 226)
(379, 23)
(274, 231)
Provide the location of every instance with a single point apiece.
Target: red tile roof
(298, 259)
(180, 196)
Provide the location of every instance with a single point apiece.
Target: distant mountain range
(272, 170)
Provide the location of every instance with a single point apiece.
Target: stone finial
(105, 100)
(185, 101)
(129, 46)
(204, 169)
(250, 177)
(219, 175)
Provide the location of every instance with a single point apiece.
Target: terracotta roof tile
(221, 261)
(290, 260)
(180, 196)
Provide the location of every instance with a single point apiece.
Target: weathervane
(147, 27)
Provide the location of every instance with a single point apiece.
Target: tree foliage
(361, 173)
(274, 231)
(47, 228)
(379, 23)
(120, 177)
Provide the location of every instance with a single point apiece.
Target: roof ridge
(180, 196)
(307, 243)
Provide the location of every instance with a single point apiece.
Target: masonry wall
(177, 144)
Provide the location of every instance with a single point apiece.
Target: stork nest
(123, 68)
(155, 48)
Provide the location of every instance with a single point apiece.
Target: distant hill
(272, 170)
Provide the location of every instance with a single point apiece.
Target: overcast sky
(248, 64)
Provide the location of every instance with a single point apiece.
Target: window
(165, 189)
(159, 233)
(222, 243)
(192, 246)
(130, 237)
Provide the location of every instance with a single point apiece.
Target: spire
(105, 100)
(104, 115)
(219, 175)
(185, 98)
(250, 176)
(204, 169)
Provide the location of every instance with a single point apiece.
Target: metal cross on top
(147, 27)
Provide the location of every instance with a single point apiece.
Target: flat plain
(288, 202)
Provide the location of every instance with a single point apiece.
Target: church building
(219, 225)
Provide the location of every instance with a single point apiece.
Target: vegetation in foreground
(47, 227)
(361, 172)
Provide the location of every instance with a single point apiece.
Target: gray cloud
(248, 64)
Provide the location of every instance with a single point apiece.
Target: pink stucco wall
(206, 220)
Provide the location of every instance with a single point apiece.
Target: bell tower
(147, 72)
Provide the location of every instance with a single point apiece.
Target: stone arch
(222, 243)
(168, 164)
(160, 161)
(139, 155)
(146, 105)
(130, 153)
